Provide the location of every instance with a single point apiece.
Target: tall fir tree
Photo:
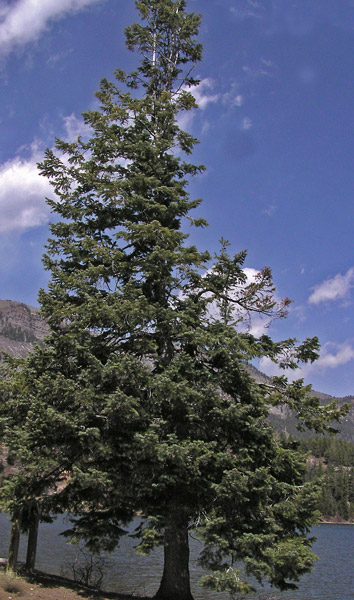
(140, 398)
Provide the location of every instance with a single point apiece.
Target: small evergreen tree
(141, 396)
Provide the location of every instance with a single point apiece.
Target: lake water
(331, 579)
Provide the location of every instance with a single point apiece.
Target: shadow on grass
(51, 581)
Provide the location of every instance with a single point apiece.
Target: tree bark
(32, 537)
(175, 583)
(14, 541)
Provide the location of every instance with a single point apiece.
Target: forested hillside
(331, 463)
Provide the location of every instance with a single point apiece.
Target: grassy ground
(50, 587)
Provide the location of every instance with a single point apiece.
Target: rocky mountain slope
(21, 327)
(283, 419)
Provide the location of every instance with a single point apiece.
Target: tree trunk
(175, 583)
(14, 541)
(32, 537)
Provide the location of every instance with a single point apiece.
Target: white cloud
(75, 127)
(203, 98)
(335, 355)
(25, 20)
(268, 367)
(256, 324)
(259, 325)
(201, 94)
(22, 195)
(23, 190)
(331, 356)
(337, 288)
(251, 274)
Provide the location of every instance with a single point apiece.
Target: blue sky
(276, 129)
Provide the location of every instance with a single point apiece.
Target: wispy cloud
(264, 68)
(233, 101)
(233, 97)
(203, 94)
(55, 58)
(269, 210)
(299, 313)
(246, 124)
(244, 9)
(24, 21)
(336, 288)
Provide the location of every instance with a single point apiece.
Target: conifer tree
(140, 396)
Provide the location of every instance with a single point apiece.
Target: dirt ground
(50, 587)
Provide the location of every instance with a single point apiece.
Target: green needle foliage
(140, 399)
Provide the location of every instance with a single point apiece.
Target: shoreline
(334, 522)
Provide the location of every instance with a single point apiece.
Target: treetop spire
(166, 42)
